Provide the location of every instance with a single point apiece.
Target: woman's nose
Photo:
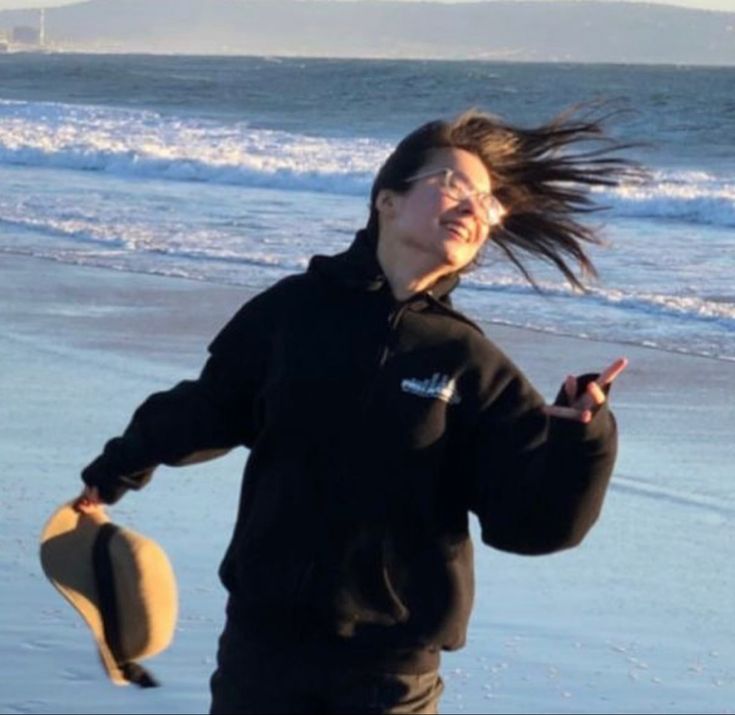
(471, 205)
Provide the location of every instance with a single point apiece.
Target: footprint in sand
(78, 675)
(28, 706)
(37, 645)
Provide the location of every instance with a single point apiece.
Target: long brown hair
(543, 176)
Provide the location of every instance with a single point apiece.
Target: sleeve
(197, 419)
(537, 482)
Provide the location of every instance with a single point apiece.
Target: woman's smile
(459, 230)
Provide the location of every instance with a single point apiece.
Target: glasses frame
(494, 210)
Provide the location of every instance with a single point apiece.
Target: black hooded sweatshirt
(374, 427)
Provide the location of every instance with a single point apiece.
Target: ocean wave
(138, 143)
(104, 240)
(691, 196)
(208, 245)
(689, 307)
(145, 144)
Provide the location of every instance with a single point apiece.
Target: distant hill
(533, 30)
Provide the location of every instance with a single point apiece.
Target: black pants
(268, 677)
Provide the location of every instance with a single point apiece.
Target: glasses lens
(460, 189)
(456, 187)
(495, 211)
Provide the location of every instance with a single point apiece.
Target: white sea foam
(137, 143)
(693, 196)
(678, 306)
(145, 144)
(145, 241)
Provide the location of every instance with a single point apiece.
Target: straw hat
(121, 583)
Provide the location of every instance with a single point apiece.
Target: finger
(610, 373)
(90, 494)
(568, 413)
(596, 393)
(88, 501)
(590, 399)
(85, 506)
(570, 388)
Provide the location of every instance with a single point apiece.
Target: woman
(377, 418)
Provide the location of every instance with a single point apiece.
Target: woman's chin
(458, 253)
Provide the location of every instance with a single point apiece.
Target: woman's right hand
(582, 407)
(88, 501)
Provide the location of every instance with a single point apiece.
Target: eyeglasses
(456, 187)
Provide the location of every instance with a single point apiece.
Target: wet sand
(637, 619)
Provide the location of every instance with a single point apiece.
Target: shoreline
(249, 291)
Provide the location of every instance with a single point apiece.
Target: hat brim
(137, 617)
(67, 542)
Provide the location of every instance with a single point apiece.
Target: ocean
(237, 170)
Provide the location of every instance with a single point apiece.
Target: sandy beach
(638, 619)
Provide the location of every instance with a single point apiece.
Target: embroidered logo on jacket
(437, 386)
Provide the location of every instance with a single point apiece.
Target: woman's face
(439, 230)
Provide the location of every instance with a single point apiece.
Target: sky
(697, 4)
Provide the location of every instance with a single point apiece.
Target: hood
(358, 268)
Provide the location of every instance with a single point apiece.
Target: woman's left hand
(582, 407)
(88, 501)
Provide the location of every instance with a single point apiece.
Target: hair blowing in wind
(543, 176)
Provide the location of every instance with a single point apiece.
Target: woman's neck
(406, 272)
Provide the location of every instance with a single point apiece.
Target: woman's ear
(385, 202)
